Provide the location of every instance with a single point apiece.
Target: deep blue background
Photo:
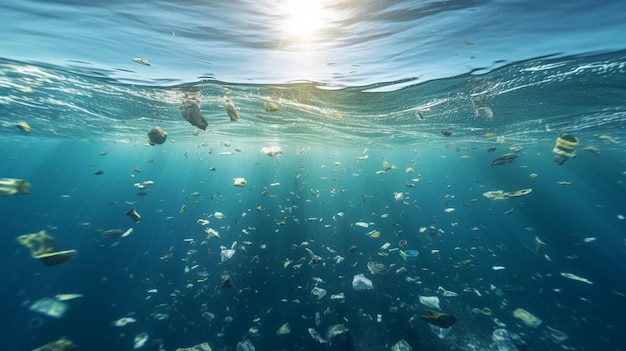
(114, 276)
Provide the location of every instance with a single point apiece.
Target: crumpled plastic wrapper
(190, 110)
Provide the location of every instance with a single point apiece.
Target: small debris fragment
(141, 61)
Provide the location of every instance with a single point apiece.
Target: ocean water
(390, 116)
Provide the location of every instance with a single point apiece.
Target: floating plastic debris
(272, 150)
(245, 345)
(439, 331)
(317, 293)
(140, 340)
(399, 197)
(50, 307)
(575, 277)
(231, 110)
(239, 181)
(200, 347)
(316, 336)
(441, 320)
(498, 268)
(359, 282)
(430, 301)
(501, 195)
(157, 136)
(401, 346)
(23, 125)
(502, 341)
(190, 110)
(271, 106)
(362, 224)
(564, 148)
(284, 329)
(338, 297)
(134, 215)
(528, 318)
(504, 159)
(446, 293)
(123, 321)
(556, 335)
(408, 254)
(212, 233)
(141, 61)
(334, 331)
(226, 253)
(377, 268)
(65, 297)
(62, 344)
(11, 187)
(42, 247)
(219, 215)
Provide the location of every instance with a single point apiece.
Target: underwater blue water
(438, 90)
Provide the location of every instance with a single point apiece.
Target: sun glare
(303, 18)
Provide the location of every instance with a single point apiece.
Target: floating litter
(528, 318)
(140, 340)
(401, 346)
(430, 301)
(318, 293)
(440, 332)
(408, 254)
(284, 329)
(50, 307)
(359, 282)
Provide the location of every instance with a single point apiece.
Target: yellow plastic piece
(38, 243)
(528, 318)
(11, 187)
(62, 344)
(23, 126)
(565, 147)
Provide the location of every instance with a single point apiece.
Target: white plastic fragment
(141, 61)
(239, 181)
(318, 293)
(272, 150)
(226, 254)
(430, 301)
(359, 282)
(401, 346)
(140, 340)
(123, 321)
(50, 307)
(398, 197)
(339, 296)
(575, 277)
(65, 297)
(446, 293)
(316, 336)
(126, 233)
(440, 332)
